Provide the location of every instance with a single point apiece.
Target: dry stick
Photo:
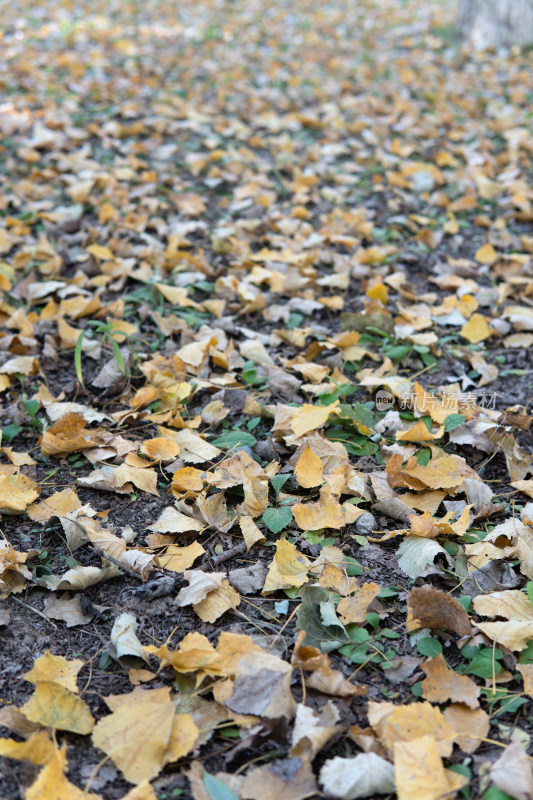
(117, 563)
(237, 550)
(35, 610)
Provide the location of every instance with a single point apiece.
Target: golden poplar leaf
(515, 607)
(187, 480)
(141, 792)
(178, 559)
(53, 706)
(486, 254)
(309, 469)
(217, 602)
(251, 533)
(442, 683)
(476, 329)
(445, 472)
(428, 607)
(470, 725)
(419, 433)
(17, 491)
(308, 418)
(354, 609)
(13, 570)
(194, 653)
(39, 749)
(332, 577)
(136, 735)
(438, 409)
(55, 669)
(420, 773)
(59, 504)
(173, 521)
(288, 568)
(51, 783)
(184, 735)
(160, 449)
(326, 512)
(144, 479)
(394, 724)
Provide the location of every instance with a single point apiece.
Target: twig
(238, 550)
(117, 563)
(35, 610)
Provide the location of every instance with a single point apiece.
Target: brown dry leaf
(59, 504)
(16, 491)
(419, 771)
(442, 683)
(430, 608)
(68, 610)
(178, 559)
(13, 570)
(288, 568)
(262, 686)
(313, 729)
(354, 609)
(218, 602)
(136, 735)
(289, 779)
(526, 671)
(394, 724)
(323, 677)
(309, 469)
(38, 749)
(55, 669)
(326, 512)
(470, 725)
(53, 706)
(69, 435)
(51, 783)
(331, 577)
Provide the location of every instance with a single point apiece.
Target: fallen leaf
(428, 607)
(442, 683)
(55, 669)
(420, 773)
(51, 783)
(362, 776)
(128, 649)
(394, 724)
(512, 773)
(325, 513)
(470, 725)
(38, 749)
(288, 568)
(313, 729)
(309, 469)
(354, 609)
(288, 779)
(53, 706)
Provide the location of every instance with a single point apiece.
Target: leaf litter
(266, 470)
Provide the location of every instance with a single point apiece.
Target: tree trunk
(496, 23)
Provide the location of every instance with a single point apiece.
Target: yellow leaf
(59, 504)
(476, 329)
(288, 568)
(160, 448)
(141, 792)
(51, 783)
(173, 521)
(136, 735)
(325, 513)
(53, 706)
(308, 418)
(250, 532)
(143, 479)
(39, 749)
(69, 435)
(178, 559)
(101, 252)
(378, 292)
(187, 480)
(17, 491)
(419, 433)
(354, 609)
(486, 254)
(309, 469)
(395, 724)
(217, 602)
(13, 572)
(183, 737)
(55, 669)
(516, 609)
(420, 773)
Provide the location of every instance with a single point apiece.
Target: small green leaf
(453, 421)
(233, 439)
(429, 647)
(77, 357)
(495, 794)
(10, 431)
(276, 519)
(278, 482)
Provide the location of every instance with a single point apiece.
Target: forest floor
(265, 375)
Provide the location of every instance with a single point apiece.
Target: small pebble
(365, 524)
